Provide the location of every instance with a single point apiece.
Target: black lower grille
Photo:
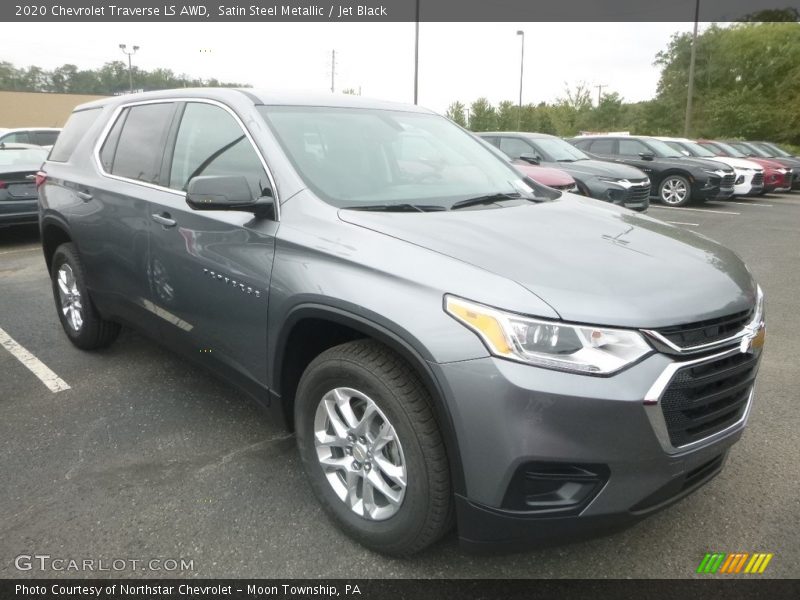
(727, 181)
(703, 399)
(706, 332)
(638, 193)
(758, 179)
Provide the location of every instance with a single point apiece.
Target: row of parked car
(631, 170)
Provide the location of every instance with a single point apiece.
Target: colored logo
(736, 562)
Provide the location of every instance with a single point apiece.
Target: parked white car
(749, 175)
(38, 136)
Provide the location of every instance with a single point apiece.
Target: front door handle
(85, 196)
(164, 219)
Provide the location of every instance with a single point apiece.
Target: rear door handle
(164, 219)
(85, 196)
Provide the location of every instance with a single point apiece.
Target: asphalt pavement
(145, 456)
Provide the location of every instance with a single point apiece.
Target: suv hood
(594, 168)
(699, 163)
(592, 262)
(738, 163)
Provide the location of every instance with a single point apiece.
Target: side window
(632, 147)
(77, 126)
(140, 148)
(44, 138)
(109, 149)
(17, 137)
(494, 141)
(602, 146)
(211, 142)
(515, 147)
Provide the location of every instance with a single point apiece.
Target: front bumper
(509, 415)
(634, 196)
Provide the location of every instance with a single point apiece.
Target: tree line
(747, 85)
(110, 79)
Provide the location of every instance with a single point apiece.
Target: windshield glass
(697, 150)
(353, 157)
(749, 149)
(730, 150)
(778, 150)
(662, 150)
(22, 157)
(557, 150)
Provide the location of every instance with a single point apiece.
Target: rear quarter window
(140, 148)
(44, 138)
(77, 126)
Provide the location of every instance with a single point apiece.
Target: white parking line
(17, 251)
(682, 223)
(745, 203)
(716, 212)
(53, 382)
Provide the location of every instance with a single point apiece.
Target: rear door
(210, 270)
(112, 219)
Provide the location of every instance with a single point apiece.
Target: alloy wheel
(70, 297)
(674, 191)
(360, 453)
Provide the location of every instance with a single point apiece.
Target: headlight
(617, 180)
(550, 344)
(715, 173)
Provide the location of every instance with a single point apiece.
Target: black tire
(93, 332)
(667, 190)
(425, 513)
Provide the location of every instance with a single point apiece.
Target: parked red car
(777, 178)
(554, 178)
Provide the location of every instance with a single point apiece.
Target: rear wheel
(675, 191)
(79, 318)
(371, 448)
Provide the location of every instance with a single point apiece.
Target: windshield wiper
(566, 160)
(397, 207)
(488, 199)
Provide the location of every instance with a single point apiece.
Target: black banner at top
(398, 10)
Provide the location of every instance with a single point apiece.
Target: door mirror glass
(646, 155)
(227, 192)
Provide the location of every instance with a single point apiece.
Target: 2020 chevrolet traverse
(450, 342)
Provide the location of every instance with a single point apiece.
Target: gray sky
(458, 61)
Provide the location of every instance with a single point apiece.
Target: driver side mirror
(646, 155)
(228, 192)
(530, 158)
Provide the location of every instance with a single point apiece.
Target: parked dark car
(777, 178)
(676, 179)
(450, 342)
(18, 200)
(763, 150)
(601, 179)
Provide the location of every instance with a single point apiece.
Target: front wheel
(675, 191)
(371, 448)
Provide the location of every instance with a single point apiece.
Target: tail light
(3, 184)
(41, 177)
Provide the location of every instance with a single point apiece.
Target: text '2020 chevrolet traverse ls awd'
(451, 342)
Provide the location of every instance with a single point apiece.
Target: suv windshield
(662, 150)
(779, 152)
(557, 150)
(751, 150)
(698, 150)
(353, 157)
(730, 150)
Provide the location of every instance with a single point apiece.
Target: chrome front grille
(706, 332)
(727, 181)
(758, 179)
(638, 193)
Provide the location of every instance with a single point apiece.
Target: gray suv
(451, 343)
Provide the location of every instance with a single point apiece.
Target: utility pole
(600, 92)
(521, 72)
(333, 69)
(416, 56)
(688, 120)
(130, 53)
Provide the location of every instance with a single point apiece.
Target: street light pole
(521, 72)
(130, 53)
(688, 119)
(416, 56)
